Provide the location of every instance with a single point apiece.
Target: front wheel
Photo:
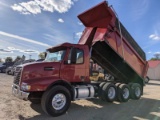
(56, 101)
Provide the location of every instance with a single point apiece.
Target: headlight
(25, 87)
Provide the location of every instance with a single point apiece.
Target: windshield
(55, 56)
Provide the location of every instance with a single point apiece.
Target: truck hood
(22, 65)
(40, 70)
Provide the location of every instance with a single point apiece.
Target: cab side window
(79, 58)
(76, 56)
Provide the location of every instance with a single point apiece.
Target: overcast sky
(29, 27)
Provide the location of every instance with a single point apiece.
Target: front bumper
(18, 93)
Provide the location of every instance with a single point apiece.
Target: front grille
(17, 77)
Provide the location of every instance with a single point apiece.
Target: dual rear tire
(122, 92)
(108, 92)
(136, 91)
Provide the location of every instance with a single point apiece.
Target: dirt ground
(147, 108)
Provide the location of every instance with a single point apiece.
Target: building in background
(154, 70)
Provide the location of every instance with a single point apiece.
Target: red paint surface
(73, 72)
(37, 77)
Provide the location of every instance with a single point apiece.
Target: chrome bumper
(18, 93)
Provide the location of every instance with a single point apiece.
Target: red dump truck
(64, 75)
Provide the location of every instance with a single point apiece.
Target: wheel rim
(111, 92)
(58, 101)
(137, 91)
(126, 93)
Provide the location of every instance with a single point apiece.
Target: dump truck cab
(66, 62)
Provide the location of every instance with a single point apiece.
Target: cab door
(73, 69)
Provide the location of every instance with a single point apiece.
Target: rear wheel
(100, 91)
(136, 91)
(117, 84)
(56, 101)
(109, 92)
(123, 93)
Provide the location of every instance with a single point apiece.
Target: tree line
(156, 56)
(10, 59)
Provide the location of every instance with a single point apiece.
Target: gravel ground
(147, 108)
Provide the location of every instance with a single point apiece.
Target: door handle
(48, 68)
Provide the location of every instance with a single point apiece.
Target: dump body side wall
(120, 46)
(114, 63)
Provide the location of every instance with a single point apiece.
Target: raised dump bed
(113, 48)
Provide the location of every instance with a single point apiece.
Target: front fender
(45, 84)
(40, 85)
